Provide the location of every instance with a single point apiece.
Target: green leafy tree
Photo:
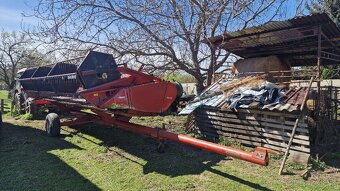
(331, 7)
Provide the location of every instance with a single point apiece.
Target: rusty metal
(105, 117)
(295, 96)
(319, 70)
(295, 39)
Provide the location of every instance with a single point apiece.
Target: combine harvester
(113, 94)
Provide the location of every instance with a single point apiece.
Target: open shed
(305, 44)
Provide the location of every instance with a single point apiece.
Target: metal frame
(121, 120)
(115, 101)
(313, 46)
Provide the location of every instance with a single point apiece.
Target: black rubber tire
(52, 125)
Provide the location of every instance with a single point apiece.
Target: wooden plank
(295, 149)
(256, 128)
(248, 122)
(202, 123)
(249, 128)
(302, 142)
(256, 139)
(238, 114)
(298, 118)
(253, 111)
(255, 134)
(305, 149)
(251, 117)
(229, 130)
(256, 123)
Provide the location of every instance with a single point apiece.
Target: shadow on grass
(177, 160)
(26, 164)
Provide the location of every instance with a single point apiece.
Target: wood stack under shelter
(287, 53)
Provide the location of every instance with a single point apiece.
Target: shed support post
(319, 71)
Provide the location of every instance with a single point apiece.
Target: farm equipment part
(114, 95)
(17, 95)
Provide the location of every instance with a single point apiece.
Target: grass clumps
(27, 116)
(317, 165)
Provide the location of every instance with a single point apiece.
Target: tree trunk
(200, 86)
(209, 77)
(11, 85)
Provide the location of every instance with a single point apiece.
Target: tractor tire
(52, 125)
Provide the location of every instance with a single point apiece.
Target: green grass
(105, 158)
(27, 116)
(7, 102)
(3, 94)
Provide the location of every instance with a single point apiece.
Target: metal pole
(319, 70)
(259, 156)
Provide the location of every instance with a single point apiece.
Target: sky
(11, 14)
(11, 18)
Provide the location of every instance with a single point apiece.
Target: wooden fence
(271, 129)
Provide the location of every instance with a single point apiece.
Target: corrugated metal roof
(329, 27)
(282, 107)
(213, 97)
(295, 95)
(294, 37)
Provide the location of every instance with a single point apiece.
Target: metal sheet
(208, 97)
(282, 107)
(292, 103)
(289, 38)
(295, 96)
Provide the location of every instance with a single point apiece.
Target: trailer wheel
(52, 125)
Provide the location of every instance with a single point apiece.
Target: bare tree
(15, 52)
(11, 55)
(165, 35)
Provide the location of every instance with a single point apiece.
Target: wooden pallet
(271, 129)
